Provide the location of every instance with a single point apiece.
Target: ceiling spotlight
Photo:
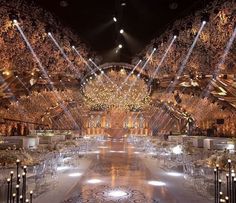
(156, 183)
(75, 174)
(90, 59)
(117, 193)
(64, 4)
(49, 33)
(15, 21)
(176, 32)
(205, 18)
(114, 19)
(120, 46)
(62, 168)
(123, 3)
(174, 174)
(173, 5)
(121, 31)
(155, 45)
(73, 47)
(94, 181)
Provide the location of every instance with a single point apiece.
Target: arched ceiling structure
(207, 81)
(206, 85)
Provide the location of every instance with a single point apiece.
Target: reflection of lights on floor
(156, 183)
(61, 168)
(152, 153)
(94, 181)
(86, 137)
(131, 147)
(102, 147)
(112, 151)
(75, 174)
(177, 149)
(117, 193)
(174, 174)
(137, 152)
(95, 152)
(230, 146)
(67, 158)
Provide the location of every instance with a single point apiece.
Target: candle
(21, 199)
(227, 199)
(215, 170)
(233, 194)
(227, 184)
(234, 191)
(8, 190)
(13, 197)
(11, 174)
(229, 195)
(18, 179)
(17, 167)
(220, 181)
(25, 169)
(24, 185)
(217, 186)
(221, 195)
(17, 193)
(31, 196)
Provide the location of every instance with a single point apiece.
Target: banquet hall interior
(117, 101)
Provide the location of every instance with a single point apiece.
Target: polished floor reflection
(119, 174)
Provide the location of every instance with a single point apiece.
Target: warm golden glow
(101, 93)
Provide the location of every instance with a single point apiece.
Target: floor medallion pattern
(107, 194)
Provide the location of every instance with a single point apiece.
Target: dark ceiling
(142, 20)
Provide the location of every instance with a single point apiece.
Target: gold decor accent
(103, 93)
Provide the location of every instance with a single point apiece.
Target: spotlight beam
(229, 44)
(122, 84)
(135, 80)
(44, 71)
(163, 58)
(23, 85)
(63, 53)
(86, 63)
(222, 61)
(126, 79)
(145, 64)
(181, 69)
(102, 72)
(171, 87)
(206, 92)
(162, 114)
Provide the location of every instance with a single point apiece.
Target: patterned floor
(105, 193)
(117, 175)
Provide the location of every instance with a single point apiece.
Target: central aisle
(117, 174)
